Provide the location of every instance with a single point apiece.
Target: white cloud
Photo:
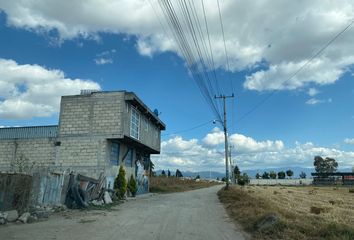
(242, 143)
(103, 61)
(105, 57)
(349, 141)
(280, 34)
(313, 92)
(28, 91)
(248, 153)
(315, 101)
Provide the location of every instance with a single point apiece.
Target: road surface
(193, 215)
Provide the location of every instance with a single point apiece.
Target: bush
(243, 179)
(120, 183)
(132, 187)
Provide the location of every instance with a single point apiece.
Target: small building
(97, 132)
(336, 178)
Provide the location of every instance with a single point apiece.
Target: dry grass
(304, 212)
(172, 184)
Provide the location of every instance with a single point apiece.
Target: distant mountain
(251, 173)
(202, 174)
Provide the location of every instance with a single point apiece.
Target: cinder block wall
(97, 114)
(40, 151)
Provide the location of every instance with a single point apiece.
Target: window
(115, 154)
(135, 124)
(129, 158)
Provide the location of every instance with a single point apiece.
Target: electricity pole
(223, 97)
(231, 165)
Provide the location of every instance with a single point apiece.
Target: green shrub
(120, 183)
(243, 179)
(132, 187)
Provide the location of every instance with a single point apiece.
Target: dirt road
(190, 215)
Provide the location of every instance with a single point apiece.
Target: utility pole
(231, 165)
(223, 97)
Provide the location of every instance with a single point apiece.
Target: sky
(290, 103)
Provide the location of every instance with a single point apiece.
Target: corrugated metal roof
(29, 132)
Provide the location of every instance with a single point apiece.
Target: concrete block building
(97, 132)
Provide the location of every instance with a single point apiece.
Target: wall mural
(142, 174)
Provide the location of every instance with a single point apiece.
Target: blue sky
(313, 114)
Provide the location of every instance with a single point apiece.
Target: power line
(260, 103)
(188, 129)
(226, 55)
(192, 47)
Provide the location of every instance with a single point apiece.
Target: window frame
(135, 124)
(114, 160)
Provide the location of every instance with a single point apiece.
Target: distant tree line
(280, 175)
(168, 174)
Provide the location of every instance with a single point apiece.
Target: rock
(2, 221)
(267, 221)
(3, 215)
(32, 219)
(41, 214)
(97, 202)
(11, 215)
(24, 217)
(107, 198)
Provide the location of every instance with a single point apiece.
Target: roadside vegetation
(276, 212)
(164, 184)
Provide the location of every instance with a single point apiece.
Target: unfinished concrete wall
(16, 153)
(98, 114)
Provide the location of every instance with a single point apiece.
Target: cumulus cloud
(349, 141)
(28, 91)
(248, 153)
(280, 35)
(242, 143)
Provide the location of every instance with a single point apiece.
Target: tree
(272, 175)
(327, 165)
(353, 169)
(179, 173)
(258, 176)
(265, 175)
(281, 175)
(237, 171)
(289, 173)
(168, 173)
(163, 173)
(243, 179)
(197, 177)
(132, 187)
(302, 175)
(120, 183)
(151, 168)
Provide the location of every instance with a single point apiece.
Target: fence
(287, 182)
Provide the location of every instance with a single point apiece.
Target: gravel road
(195, 214)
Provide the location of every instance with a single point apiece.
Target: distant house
(336, 178)
(97, 132)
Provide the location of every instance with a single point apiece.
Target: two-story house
(98, 131)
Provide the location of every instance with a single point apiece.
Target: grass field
(173, 184)
(304, 212)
